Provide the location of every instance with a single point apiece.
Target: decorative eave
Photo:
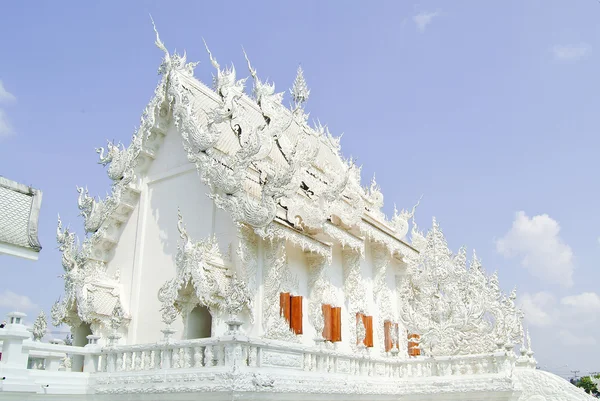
(280, 229)
(345, 238)
(394, 245)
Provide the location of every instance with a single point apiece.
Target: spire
(213, 60)
(300, 91)
(159, 42)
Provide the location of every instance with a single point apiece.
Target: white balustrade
(234, 352)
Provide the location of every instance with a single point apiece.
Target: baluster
(119, 361)
(208, 355)
(175, 358)
(154, 361)
(187, 357)
(146, 358)
(137, 360)
(198, 357)
(167, 358)
(221, 354)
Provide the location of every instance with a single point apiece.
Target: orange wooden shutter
(336, 324)
(413, 351)
(370, 331)
(327, 320)
(285, 305)
(395, 339)
(368, 322)
(387, 325)
(296, 312)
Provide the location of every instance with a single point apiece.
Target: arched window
(199, 323)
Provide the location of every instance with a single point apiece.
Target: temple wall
(147, 249)
(148, 246)
(124, 257)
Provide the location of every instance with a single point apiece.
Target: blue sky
(489, 109)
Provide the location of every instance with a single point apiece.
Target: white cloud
(5, 97)
(536, 241)
(573, 320)
(589, 301)
(424, 18)
(571, 52)
(16, 302)
(5, 127)
(539, 308)
(567, 337)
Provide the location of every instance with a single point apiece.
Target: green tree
(587, 384)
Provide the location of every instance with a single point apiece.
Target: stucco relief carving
(320, 290)
(355, 294)
(247, 252)
(277, 278)
(200, 279)
(382, 294)
(455, 309)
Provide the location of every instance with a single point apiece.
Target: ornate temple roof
(19, 214)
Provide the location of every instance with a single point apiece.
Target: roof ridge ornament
(300, 91)
(172, 61)
(300, 94)
(400, 219)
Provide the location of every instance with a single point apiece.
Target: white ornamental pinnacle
(456, 310)
(300, 91)
(57, 313)
(39, 327)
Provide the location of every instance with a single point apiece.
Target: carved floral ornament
(212, 285)
(455, 309)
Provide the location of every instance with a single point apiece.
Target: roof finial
(300, 91)
(158, 42)
(252, 70)
(213, 60)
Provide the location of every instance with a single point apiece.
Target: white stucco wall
(147, 249)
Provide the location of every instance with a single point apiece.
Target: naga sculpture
(95, 211)
(120, 160)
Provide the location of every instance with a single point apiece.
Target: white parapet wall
(235, 365)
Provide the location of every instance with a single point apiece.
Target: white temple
(238, 256)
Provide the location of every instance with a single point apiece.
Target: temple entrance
(80, 339)
(199, 323)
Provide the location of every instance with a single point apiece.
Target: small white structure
(19, 214)
(284, 281)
